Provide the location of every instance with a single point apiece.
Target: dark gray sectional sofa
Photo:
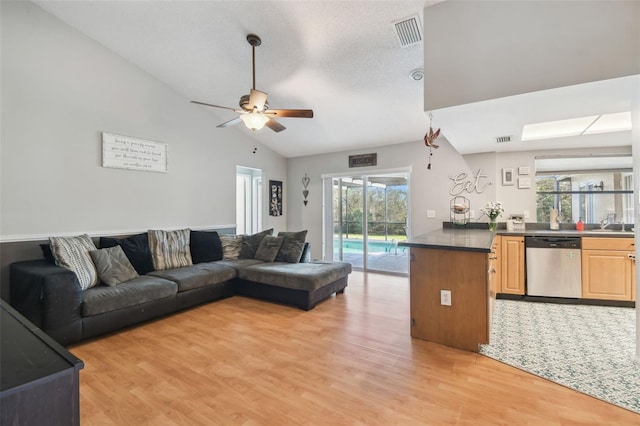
(51, 297)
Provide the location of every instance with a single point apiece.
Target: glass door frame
(328, 219)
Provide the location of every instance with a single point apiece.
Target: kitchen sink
(608, 231)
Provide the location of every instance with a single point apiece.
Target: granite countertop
(465, 239)
(453, 239)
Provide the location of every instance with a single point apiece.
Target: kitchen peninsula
(450, 277)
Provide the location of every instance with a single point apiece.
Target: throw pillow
(73, 253)
(136, 248)
(231, 245)
(205, 246)
(268, 248)
(170, 249)
(46, 253)
(292, 246)
(250, 244)
(112, 265)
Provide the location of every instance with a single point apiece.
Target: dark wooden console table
(38, 377)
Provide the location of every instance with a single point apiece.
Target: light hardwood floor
(349, 361)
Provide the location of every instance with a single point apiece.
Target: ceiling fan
(254, 109)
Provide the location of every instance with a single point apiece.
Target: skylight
(592, 124)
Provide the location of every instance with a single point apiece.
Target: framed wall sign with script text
(125, 152)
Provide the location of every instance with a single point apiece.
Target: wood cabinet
(511, 261)
(608, 268)
(464, 324)
(493, 276)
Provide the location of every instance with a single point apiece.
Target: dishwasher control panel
(553, 242)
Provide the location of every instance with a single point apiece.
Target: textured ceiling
(340, 58)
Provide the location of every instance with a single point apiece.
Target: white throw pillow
(170, 249)
(73, 253)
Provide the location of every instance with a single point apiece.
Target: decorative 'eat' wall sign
(363, 160)
(124, 152)
(477, 183)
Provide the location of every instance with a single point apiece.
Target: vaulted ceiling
(340, 58)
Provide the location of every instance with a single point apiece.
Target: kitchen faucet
(606, 222)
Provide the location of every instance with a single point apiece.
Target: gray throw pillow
(73, 253)
(113, 265)
(230, 246)
(292, 246)
(250, 244)
(268, 248)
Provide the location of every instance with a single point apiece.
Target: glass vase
(492, 225)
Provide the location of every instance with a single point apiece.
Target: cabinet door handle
(493, 258)
(631, 256)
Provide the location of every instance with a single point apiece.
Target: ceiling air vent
(503, 139)
(408, 31)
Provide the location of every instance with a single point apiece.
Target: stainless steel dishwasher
(554, 267)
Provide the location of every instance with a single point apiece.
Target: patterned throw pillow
(268, 248)
(170, 249)
(73, 253)
(231, 245)
(113, 266)
(292, 246)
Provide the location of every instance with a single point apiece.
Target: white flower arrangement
(493, 209)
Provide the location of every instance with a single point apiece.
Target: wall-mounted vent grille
(503, 139)
(408, 31)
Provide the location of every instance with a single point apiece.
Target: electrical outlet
(472, 214)
(445, 297)
(431, 214)
(525, 213)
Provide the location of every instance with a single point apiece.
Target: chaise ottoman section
(299, 284)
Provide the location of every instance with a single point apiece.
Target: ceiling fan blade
(274, 125)
(216, 106)
(292, 113)
(257, 99)
(230, 122)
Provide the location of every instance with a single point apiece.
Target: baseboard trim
(568, 300)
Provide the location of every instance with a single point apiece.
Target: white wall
(482, 50)
(60, 90)
(430, 189)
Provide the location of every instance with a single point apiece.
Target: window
(248, 200)
(599, 192)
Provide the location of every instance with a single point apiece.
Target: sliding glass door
(369, 218)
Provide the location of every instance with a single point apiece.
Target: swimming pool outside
(373, 246)
(382, 255)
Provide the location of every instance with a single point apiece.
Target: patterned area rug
(587, 348)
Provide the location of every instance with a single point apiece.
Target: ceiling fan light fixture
(254, 120)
